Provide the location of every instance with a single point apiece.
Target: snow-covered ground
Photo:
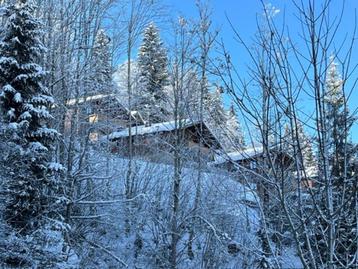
(222, 218)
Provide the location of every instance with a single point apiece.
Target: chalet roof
(248, 153)
(154, 128)
(164, 127)
(85, 99)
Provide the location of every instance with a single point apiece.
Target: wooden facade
(156, 142)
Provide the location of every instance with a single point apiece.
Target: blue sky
(243, 15)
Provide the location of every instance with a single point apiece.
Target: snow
(41, 112)
(54, 166)
(22, 77)
(17, 97)
(11, 113)
(290, 259)
(25, 116)
(237, 155)
(224, 210)
(88, 98)
(8, 60)
(8, 88)
(13, 125)
(154, 128)
(37, 146)
(44, 132)
(43, 99)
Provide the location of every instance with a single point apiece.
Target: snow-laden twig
(110, 201)
(105, 251)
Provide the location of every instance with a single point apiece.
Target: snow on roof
(237, 155)
(88, 98)
(154, 128)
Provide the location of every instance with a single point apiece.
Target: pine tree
(120, 78)
(308, 159)
(306, 156)
(215, 117)
(338, 122)
(215, 106)
(234, 132)
(192, 98)
(342, 157)
(152, 62)
(101, 78)
(31, 186)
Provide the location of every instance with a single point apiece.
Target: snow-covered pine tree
(215, 116)
(120, 79)
(308, 160)
(152, 62)
(338, 121)
(342, 158)
(31, 188)
(101, 78)
(305, 150)
(216, 107)
(233, 129)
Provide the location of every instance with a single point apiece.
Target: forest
(133, 136)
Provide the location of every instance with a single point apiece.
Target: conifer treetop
(334, 82)
(152, 63)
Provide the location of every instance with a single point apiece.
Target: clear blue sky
(243, 15)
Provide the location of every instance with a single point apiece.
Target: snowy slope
(224, 217)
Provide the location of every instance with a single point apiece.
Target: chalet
(251, 158)
(155, 142)
(248, 166)
(100, 114)
(104, 115)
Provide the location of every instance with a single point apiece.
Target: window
(93, 137)
(93, 118)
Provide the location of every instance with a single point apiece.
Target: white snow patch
(17, 97)
(37, 146)
(237, 155)
(154, 128)
(81, 100)
(54, 166)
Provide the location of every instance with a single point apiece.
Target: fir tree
(234, 131)
(30, 185)
(192, 97)
(305, 151)
(215, 107)
(342, 158)
(215, 117)
(338, 122)
(152, 62)
(101, 79)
